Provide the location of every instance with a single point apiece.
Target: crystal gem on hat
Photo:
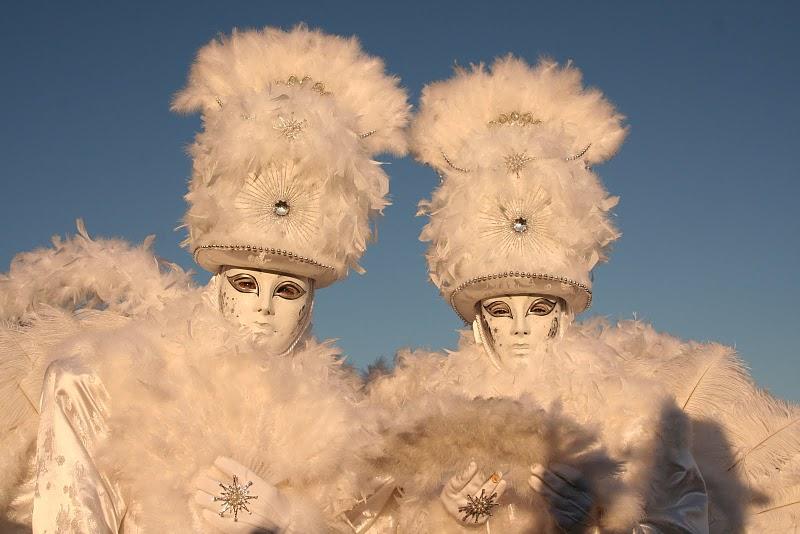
(281, 208)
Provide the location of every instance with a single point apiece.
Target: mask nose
(520, 327)
(264, 305)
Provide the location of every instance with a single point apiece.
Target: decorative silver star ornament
(235, 497)
(516, 162)
(291, 129)
(479, 506)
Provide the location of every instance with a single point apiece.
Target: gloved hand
(270, 510)
(567, 494)
(470, 496)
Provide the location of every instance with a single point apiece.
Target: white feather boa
(80, 272)
(584, 380)
(185, 387)
(747, 441)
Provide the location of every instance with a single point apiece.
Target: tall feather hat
(283, 174)
(519, 209)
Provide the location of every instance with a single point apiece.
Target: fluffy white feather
(454, 114)
(433, 437)
(516, 174)
(185, 387)
(48, 296)
(584, 382)
(247, 63)
(80, 272)
(246, 160)
(747, 442)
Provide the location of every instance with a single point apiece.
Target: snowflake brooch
(235, 497)
(479, 506)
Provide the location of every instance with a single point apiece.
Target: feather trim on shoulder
(185, 387)
(82, 272)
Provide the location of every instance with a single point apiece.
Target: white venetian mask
(274, 307)
(518, 330)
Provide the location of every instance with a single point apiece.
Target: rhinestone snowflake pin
(478, 507)
(235, 497)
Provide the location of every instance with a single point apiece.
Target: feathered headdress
(518, 209)
(283, 174)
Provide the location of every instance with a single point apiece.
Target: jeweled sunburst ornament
(291, 129)
(478, 507)
(235, 497)
(519, 223)
(516, 162)
(276, 196)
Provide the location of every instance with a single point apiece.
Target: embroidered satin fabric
(70, 494)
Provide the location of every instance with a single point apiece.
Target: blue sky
(708, 178)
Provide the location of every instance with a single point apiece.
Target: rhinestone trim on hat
(517, 274)
(514, 118)
(273, 251)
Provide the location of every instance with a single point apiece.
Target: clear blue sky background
(708, 177)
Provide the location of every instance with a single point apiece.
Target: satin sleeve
(71, 495)
(682, 505)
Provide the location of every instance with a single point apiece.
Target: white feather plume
(239, 67)
(747, 442)
(81, 272)
(260, 115)
(511, 198)
(454, 114)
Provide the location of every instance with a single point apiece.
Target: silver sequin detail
(520, 225)
(514, 118)
(319, 87)
(450, 163)
(579, 154)
(265, 250)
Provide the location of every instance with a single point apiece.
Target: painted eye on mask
(243, 283)
(289, 291)
(498, 309)
(542, 307)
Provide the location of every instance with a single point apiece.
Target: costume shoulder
(48, 299)
(421, 372)
(746, 441)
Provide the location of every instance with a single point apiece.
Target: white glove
(461, 492)
(269, 510)
(567, 494)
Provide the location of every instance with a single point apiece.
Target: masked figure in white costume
(516, 226)
(214, 410)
